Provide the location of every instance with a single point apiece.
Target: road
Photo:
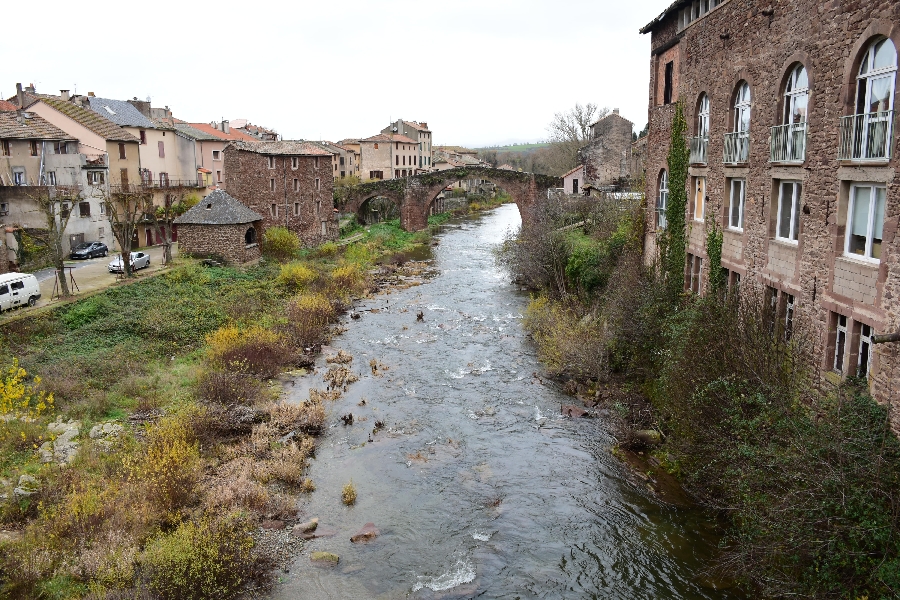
(92, 274)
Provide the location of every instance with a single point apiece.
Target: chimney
(226, 128)
(615, 111)
(91, 95)
(64, 94)
(30, 89)
(20, 95)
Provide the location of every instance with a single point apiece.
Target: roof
(30, 128)
(383, 137)
(289, 148)
(649, 26)
(610, 114)
(419, 126)
(506, 167)
(194, 133)
(578, 168)
(4, 106)
(93, 121)
(219, 208)
(233, 135)
(120, 112)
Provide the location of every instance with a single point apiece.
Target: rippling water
(477, 484)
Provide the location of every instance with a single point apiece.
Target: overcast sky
(479, 72)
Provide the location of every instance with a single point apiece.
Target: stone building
(607, 157)
(288, 182)
(790, 110)
(221, 227)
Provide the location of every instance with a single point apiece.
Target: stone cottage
(220, 226)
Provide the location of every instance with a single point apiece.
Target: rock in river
(366, 534)
(326, 558)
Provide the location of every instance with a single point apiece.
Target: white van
(18, 289)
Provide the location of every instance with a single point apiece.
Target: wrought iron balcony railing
(788, 143)
(737, 147)
(699, 149)
(867, 136)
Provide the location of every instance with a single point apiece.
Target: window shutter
(162, 149)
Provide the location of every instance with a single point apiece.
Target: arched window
(789, 138)
(663, 200)
(700, 142)
(250, 236)
(737, 143)
(867, 134)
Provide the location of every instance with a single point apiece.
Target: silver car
(139, 260)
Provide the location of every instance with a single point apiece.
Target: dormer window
(209, 206)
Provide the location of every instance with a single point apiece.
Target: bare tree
(569, 131)
(56, 205)
(161, 217)
(126, 205)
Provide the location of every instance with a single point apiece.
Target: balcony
(737, 147)
(172, 183)
(699, 147)
(787, 143)
(867, 136)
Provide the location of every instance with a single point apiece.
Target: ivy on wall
(673, 241)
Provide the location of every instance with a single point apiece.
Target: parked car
(139, 260)
(89, 250)
(18, 289)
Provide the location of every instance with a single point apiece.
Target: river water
(478, 486)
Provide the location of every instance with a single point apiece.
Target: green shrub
(280, 243)
(210, 558)
(87, 311)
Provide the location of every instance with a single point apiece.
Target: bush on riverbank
(181, 362)
(809, 478)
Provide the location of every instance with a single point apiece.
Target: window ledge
(793, 244)
(872, 263)
(735, 230)
(248, 246)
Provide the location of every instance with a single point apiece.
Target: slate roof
(93, 121)
(31, 128)
(233, 135)
(218, 208)
(4, 105)
(383, 137)
(120, 112)
(289, 148)
(649, 26)
(194, 133)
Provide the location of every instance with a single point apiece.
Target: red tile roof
(382, 137)
(233, 135)
(4, 105)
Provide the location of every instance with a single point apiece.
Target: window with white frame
(864, 356)
(703, 117)
(51, 177)
(736, 204)
(865, 221)
(796, 96)
(96, 177)
(662, 200)
(699, 198)
(875, 84)
(216, 155)
(742, 106)
(788, 217)
(840, 342)
(19, 178)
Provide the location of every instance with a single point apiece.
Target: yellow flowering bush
(18, 398)
(296, 275)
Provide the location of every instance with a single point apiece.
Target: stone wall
(736, 42)
(607, 158)
(305, 207)
(224, 242)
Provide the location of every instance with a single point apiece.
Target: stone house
(213, 153)
(421, 135)
(607, 156)
(792, 137)
(288, 182)
(220, 227)
(388, 156)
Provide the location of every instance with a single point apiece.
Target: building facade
(385, 156)
(792, 136)
(607, 157)
(421, 136)
(289, 183)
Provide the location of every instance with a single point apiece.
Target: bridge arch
(415, 195)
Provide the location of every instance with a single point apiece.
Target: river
(478, 486)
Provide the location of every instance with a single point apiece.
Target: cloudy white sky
(479, 72)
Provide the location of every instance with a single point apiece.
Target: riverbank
(717, 390)
(144, 444)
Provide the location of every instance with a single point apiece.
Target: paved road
(92, 274)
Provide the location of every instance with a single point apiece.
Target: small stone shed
(221, 227)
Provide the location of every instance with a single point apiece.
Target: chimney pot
(64, 94)
(615, 111)
(226, 128)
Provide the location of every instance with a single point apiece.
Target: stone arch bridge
(415, 195)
